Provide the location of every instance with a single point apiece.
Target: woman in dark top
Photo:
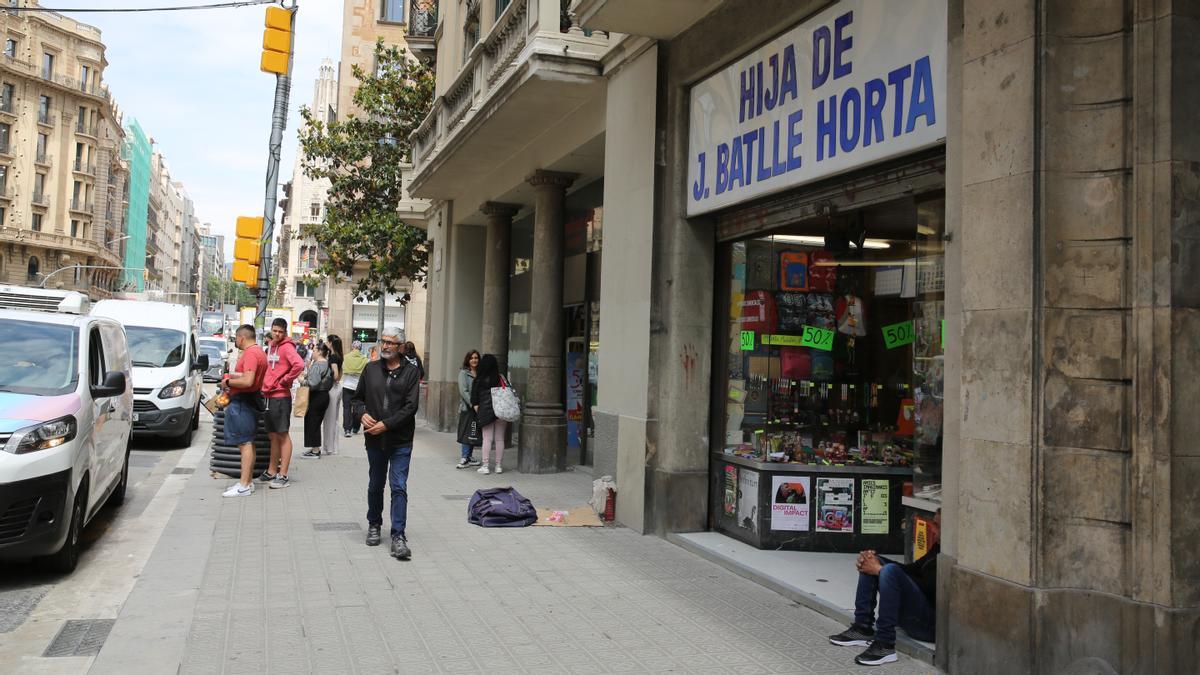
(487, 375)
(319, 381)
(329, 427)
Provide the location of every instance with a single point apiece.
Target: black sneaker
(372, 535)
(400, 550)
(463, 463)
(347, 433)
(877, 655)
(474, 462)
(266, 477)
(857, 635)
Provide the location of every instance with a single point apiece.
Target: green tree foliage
(226, 291)
(362, 157)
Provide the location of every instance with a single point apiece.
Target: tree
(226, 291)
(362, 158)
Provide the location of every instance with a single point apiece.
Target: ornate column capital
(500, 209)
(557, 179)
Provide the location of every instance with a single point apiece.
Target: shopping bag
(468, 429)
(505, 403)
(300, 404)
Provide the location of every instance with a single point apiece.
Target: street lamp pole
(46, 277)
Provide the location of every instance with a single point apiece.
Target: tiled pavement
(272, 583)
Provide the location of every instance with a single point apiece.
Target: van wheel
(117, 498)
(184, 440)
(67, 557)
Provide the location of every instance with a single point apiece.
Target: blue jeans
(392, 465)
(901, 603)
(466, 450)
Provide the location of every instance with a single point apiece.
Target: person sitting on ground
(907, 595)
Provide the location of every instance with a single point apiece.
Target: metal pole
(382, 309)
(278, 123)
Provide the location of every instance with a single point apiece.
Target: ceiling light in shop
(877, 244)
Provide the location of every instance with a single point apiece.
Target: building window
(44, 109)
(3, 180)
(315, 210)
(47, 66)
(501, 5)
(39, 188)
(10, 48)
(75, 227)
(393, 10)
(43, 141)
(85, 73)
(5, 129)
(35, 222)
(3, 213)
(33, 268)
(304, 290)
(6, 97)
(77, 194)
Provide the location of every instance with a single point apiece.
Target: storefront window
(833, 370)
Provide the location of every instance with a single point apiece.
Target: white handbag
(505, 402)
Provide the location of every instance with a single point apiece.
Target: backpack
(500, 507)
(505, 403)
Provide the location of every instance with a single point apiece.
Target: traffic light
(246, 250)
(277, 41)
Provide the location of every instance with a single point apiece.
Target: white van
(66, 411)
(167, 366)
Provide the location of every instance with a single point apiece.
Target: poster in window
(875, 501)
(835, 505)
(790, 503)
(747, 506)
(920, 538)
(730, 489)
(793, 271)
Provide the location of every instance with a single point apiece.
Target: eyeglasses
(390, 343)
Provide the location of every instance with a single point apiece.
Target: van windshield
(38, 358)
(212, 323)
(155, 347)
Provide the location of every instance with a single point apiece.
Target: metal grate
(336, 527)
(143, 390)
(16, 519)
(80, 637)
(144, 406)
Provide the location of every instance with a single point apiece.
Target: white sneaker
(239, 490)
(484, 470)
(499, 469)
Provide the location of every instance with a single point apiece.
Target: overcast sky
(191, 79)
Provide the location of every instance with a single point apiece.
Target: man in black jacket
(389, 388)
(907, 595)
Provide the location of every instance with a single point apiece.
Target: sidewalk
(282, 582)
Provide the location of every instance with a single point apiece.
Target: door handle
(112, 407)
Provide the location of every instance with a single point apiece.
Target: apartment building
(61, 173)
(1005, 182)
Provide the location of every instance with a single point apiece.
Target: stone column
(543, 443)
(495, 280)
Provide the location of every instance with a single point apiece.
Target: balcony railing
(423, 18)
(89, 167)
(45, 118)
(493, 58)
(41, 198)
(81, 206)
(41, 158)
(87, 129)
(6, 105)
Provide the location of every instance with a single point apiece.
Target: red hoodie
(283, 367)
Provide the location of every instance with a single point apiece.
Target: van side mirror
(201, 363)
(114, 385)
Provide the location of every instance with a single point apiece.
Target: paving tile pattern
(279, 595)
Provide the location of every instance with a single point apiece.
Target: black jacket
(481, 395)
(923, 572)
(390, 396)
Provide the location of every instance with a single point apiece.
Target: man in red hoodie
(283, 367)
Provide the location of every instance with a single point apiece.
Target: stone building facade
(1067, 185)
(59, 152)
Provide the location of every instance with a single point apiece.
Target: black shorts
(279, 415)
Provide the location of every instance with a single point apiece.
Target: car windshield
(214, 354)
(155, 347)
(211, 323)
(38, 358)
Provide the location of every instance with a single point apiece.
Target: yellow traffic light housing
(247, 250)
(249, 227)
(277, 41)
(245, 273)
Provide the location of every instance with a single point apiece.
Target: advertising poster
(747, 506)
(920, 538)
(790, 503)
(574, 375)
(874, 512)
(835, 505)
(730, 489)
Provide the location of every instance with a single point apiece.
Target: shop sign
(898, 334)
(874, 514)
(789, 503)
(858, 83)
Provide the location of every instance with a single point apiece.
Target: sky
(191, 79)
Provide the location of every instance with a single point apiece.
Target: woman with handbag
(352, 368)
(320, 381)
(487, 375)
(468, 425)
(329, 426)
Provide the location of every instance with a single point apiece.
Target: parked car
(221, 344)
(167, 366)
(216, 362)
(66, 412)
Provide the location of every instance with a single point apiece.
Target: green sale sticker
(747, 340)
(817, 338)
(898, 334)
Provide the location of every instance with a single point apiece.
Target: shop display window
(835, 343)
